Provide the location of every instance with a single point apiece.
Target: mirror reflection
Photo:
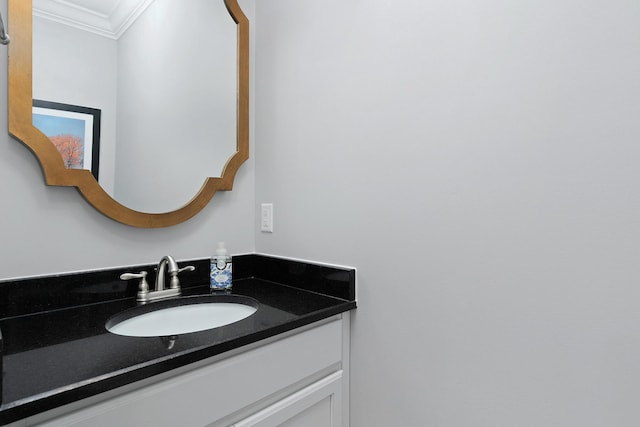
(164, 81)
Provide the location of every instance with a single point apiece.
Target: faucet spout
(167, 264)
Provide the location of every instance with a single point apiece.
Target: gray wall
(52, 229)
(477, 161)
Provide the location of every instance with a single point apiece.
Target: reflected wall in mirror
(171, 80)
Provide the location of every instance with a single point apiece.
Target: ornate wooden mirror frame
(55, 172)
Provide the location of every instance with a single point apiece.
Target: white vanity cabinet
(298, 379)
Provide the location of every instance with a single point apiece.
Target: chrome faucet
(166, 265)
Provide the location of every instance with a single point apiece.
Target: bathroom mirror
(198, 121)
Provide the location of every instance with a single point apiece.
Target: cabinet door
(317, 405)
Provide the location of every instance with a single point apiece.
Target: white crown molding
(112, 25)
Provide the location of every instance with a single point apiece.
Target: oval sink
(182, 315)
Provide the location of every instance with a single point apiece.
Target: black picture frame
(56, 114)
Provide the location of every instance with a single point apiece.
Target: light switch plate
(266, 217)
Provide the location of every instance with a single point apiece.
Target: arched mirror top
(56, 171)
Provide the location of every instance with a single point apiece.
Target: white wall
(52, 229)
(478, 163)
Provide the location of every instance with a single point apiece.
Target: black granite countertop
(55, 352)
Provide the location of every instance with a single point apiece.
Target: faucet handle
(175, 282)
(143, 287)
(187, 268)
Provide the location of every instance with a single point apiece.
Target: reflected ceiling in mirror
(176, 89)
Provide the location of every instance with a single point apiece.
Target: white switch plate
(266, 218)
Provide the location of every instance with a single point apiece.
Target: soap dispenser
(220, 269)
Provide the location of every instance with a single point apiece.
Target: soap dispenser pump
(220, 269)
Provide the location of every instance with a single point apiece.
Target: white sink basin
(181, 316)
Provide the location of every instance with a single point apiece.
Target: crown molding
(111, 25)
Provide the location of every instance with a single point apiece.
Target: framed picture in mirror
(74, 130)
